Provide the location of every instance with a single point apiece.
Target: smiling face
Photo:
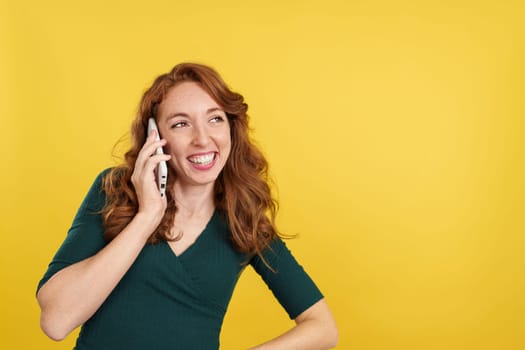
(197, 132)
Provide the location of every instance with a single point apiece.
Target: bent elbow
(52, 329)
(332, 337)
(52, 323)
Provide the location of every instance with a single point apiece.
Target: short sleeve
(289, 282)
(85, 236)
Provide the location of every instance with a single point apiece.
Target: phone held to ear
(162, 167)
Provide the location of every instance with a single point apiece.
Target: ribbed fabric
(174, 302)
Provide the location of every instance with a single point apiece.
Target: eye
(179, 124)
(217, 119)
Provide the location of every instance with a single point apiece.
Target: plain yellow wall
(394, 129)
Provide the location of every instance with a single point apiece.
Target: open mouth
(204, 159)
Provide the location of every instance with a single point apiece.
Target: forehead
(188, 98)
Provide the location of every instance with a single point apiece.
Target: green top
(168, 301)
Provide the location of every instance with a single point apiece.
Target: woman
(143, 271)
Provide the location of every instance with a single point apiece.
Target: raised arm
(72, 295)
(315, 329)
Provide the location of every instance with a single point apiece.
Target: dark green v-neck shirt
(173, 302)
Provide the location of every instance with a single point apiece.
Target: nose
(200, 135)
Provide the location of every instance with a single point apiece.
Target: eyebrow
(182, 114)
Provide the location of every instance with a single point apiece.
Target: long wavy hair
(242, 191)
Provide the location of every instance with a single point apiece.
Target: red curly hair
(242, 192)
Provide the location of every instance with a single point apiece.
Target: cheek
(227, 143)
(168, 149)
(172, 145)
(222, 138)
(227, 137)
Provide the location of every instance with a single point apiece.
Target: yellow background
(394, 129)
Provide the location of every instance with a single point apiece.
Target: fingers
(143, 178)
(148, 159)
(149, 148)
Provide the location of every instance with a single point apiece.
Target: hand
(144, 180)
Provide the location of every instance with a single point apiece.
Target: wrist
(146, 223)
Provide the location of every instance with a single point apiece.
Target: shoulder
(96, 196)
(276, 247)
(112, 179)
(275, 254)
(99, 179)
(111, 174)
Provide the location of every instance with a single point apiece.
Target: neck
(194, 201)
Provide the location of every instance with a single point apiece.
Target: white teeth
(203, 160)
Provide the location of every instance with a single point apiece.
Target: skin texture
(193, 125)
(197, 142)
(71, 296)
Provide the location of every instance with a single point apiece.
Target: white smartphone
(162, 167)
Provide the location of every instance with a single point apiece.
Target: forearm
(305, 336)
(74, 294)
(315, 329)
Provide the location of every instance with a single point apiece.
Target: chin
(203, 181)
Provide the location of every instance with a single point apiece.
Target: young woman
(143, 271)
